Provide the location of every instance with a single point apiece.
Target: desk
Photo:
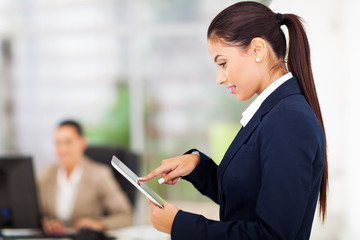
(142, 232)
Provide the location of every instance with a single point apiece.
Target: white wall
(350, 121)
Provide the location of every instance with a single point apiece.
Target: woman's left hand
(163, 218)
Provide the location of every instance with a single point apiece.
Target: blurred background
(137, 74)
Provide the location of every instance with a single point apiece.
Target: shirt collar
(74, 177)
(255, 105)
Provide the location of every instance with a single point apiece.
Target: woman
(77, 191)
(269, 180)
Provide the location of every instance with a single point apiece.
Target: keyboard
(38, 234)
(30, 234)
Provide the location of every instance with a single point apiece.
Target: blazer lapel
(288, 88)
(239, 140)
(51, 195)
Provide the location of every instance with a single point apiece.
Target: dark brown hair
(243, 21)
(74, 124)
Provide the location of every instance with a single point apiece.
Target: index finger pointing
(154, 173)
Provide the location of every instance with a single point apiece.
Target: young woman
(269, 180)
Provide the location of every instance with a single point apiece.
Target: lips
(232, 88)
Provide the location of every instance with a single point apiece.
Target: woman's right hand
(172, 169)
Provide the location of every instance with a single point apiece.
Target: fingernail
(161, 180)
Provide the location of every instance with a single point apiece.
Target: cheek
(241, 76)
(240, 71)
(60, 147)
(78, 148)
(245, 78)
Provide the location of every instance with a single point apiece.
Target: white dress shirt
(255, 105)
(66, 192)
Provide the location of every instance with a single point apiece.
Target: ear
(258, 48)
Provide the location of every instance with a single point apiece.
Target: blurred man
(76, 191)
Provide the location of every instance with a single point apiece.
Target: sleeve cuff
(196, 153)
(203, 164)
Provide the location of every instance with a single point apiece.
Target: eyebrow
(216, 57)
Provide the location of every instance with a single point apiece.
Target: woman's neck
(70, 169)
(272, 77)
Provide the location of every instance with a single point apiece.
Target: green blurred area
(221, 134)
(114, 128)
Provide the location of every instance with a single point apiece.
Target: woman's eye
(222, 64)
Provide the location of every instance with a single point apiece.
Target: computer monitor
(18, 196)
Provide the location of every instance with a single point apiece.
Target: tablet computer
(133, 178)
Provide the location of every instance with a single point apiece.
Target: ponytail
(300, 65)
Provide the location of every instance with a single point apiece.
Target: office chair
(103, 154)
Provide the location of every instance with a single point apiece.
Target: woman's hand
(172, 169)
(163, 218)
(53, 227)
(88, 223)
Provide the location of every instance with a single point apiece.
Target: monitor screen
(18, 196)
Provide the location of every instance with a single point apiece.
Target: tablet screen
(133, 178)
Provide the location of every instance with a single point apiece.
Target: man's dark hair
(74, 124)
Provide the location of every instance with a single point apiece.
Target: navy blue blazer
(268, 182)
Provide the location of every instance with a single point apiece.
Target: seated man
(76, 191)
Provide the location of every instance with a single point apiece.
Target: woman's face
(237, 69)
(70, 146)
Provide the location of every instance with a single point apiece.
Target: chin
(65, 162)
(242, 98)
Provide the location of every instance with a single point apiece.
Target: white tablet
(133, 178)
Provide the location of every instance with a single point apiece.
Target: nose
(220, 78)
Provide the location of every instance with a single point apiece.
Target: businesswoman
(275, 170)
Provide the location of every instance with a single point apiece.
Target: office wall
(66, 64)
(7, 141)
(69, 56)
(349, 118)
